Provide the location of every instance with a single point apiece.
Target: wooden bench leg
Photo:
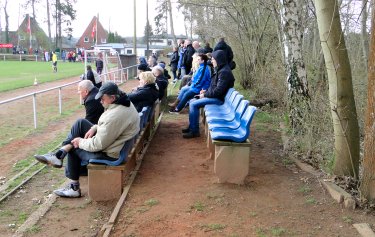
(231, 163)
(105, 184)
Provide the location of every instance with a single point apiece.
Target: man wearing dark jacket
(187, 60)
(222, 45)
(221, 81)
(93, 107)
(146, 94)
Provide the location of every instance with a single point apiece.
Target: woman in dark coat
(146, 94)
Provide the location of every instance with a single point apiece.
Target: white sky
(116, 13)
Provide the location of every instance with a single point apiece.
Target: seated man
(221, 81)
(93, 107)
(118, 123)
(160, 80)
(147, 93)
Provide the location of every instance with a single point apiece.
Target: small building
(94, 29)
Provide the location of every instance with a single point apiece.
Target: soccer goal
(112, 66)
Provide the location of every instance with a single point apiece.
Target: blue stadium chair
(128, 145)
(229, 117)
(228, 97)
(236, 135)
(225, 109)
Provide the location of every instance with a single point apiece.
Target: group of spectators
(114, 120)
(206, 76)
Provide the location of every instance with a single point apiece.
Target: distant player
(54, 62)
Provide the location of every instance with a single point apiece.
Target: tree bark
(368, 178)
(298, 93)
(342, 104)
(6, 23)
(364, 34)
(49, 24)
(171, 20)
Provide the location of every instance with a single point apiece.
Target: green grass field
(15, 74)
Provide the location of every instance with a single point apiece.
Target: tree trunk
(368, 178)
(171, 20)
(364, 30)
(343, 110)
(298, 93)
(6, 23)
(49, 24)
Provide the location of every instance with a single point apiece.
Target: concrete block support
(231, 161)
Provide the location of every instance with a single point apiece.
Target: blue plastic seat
(225, 109)
(229, 117)
(236, 135)
(229, 97)
(146, 112)
(128, 145)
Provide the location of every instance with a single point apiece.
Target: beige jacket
(115, 126)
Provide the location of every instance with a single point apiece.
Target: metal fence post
(60, 101)
(34, 109)
(127, 74)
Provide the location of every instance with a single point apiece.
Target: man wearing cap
(118, 123)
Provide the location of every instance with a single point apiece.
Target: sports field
(15, 74)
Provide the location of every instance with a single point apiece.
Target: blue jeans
(194, 106)
(77, 155)
(186, 93)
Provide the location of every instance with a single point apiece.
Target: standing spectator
(188, 56)
(54, 62)
(99, 64)
(63, 55)
(207, 48)
(93, 107)
(196, 46)
(181, 51)
(222, 45)
(46, 56)
(174, 62)
(221, 81)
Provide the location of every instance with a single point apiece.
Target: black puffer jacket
(144, 96)
(93, 107)
(187, 60)
(174, 61)
(222, 45)
(162, 83)
(222, 80)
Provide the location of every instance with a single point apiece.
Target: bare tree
(49, 24)
(171, 21)
(364, 34)
(368, 178)
(5, 7)
(298, 93)
(32, 3)
(343, 110)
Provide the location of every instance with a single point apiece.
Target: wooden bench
(227, 140)
(106, 182)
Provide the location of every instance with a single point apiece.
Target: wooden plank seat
(106, 178)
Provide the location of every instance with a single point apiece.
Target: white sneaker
(49, 159)
(68, 191)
